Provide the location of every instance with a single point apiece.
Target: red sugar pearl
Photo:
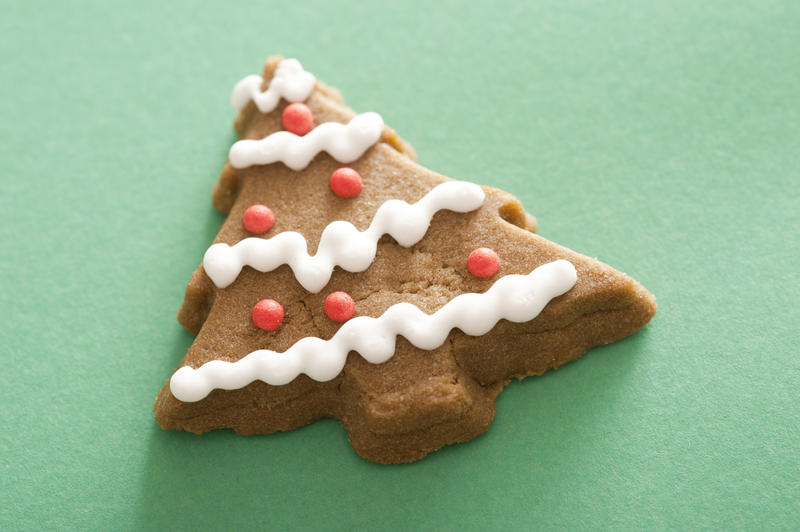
(297, 118)
(258, 219)
(346, 182)
(483, 262)
(268, 314)
(339, 306)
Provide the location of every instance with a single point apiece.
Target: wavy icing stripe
(289, 81)
(344, 142)
(341, 244)
(517, 298)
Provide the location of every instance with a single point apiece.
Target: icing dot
(268, 314)
(258, 219)
(339, 306)
(297, 118)
(483, 262)
(346, 182)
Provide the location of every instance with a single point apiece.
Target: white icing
(344, 142)
(517, 298)
(341, 244)
(289, 81)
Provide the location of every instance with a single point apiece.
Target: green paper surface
(661, 137)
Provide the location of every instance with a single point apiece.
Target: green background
(662, 138)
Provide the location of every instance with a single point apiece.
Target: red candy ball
(297, 118)
(483, 262)
(268, 314)
(258, 219)
(346, 183)
(339, 306)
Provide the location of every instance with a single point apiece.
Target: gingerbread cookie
(349, 282)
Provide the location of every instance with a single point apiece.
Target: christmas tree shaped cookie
(349, 282)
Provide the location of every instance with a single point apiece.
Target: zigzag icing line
(289, 81)
(344, 142)
(341, 244)
(517, 298)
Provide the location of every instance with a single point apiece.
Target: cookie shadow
(567, 412)
(221, 480)
(211, 227)
(306, 479)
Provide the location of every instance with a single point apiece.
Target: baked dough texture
(419, 400)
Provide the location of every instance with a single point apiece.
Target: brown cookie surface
(418, 400)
